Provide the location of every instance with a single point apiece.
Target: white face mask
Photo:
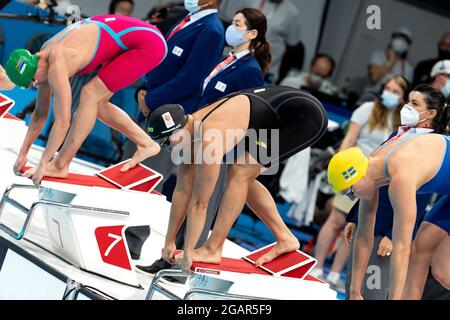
(411, 117)
(400, 45)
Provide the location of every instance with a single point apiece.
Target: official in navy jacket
(245, 66)
(243, 74)
(195, 46)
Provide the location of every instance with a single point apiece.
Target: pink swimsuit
(127, 49)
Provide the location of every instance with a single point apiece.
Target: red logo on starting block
(112, 247)
(5, 105)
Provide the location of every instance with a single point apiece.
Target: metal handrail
(30, 212)
(155, 286)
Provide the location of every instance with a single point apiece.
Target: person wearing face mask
(423, 69)
(399, 164)
(322, 67)
(441, 77)
(412, 124)
(389, 63)
(370, 125)
(283, 29)
(248, 61)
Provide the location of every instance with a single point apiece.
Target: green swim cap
(21, 67)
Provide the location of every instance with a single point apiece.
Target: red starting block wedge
(139, 178)
(94, 181)
(293, 265)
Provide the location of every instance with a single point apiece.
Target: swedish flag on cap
(346, 168)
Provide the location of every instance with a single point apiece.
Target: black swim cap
(163, 121)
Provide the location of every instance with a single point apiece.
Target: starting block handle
(155, 286)
(29, 212)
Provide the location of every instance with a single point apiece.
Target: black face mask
(444, 54)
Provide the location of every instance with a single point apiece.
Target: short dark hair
(326, 56)
(113, 5)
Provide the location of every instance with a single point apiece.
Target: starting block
(86, 218)
(286, 277)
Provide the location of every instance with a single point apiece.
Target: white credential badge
(221, 86)
(177, 51)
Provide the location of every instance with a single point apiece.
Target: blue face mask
(234, 36)
(192, 6)
(446, 89)
(390, 100)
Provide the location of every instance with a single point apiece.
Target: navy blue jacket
(192, 53)
(245, 73)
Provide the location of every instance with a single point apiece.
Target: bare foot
(202, 254)
(141, 154)
(56, 171)
(50, 170)
(285, 246)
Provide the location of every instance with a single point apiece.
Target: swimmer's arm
(206, 176)
(38, 118)
(180, 201)
(351, 137)
(402, 192)
(58, 79)
(363, 242)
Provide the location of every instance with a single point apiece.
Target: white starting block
(87, 223)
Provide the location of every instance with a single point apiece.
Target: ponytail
(263, 55)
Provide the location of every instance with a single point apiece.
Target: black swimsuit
(299, 117)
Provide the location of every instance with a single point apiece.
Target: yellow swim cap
(346, 168)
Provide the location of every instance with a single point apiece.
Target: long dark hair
(435, 100)
(256, 20)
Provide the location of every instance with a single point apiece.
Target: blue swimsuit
(440, 184)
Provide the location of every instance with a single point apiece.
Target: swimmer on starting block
(400, 164)
(126, 48)
(301, 121)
